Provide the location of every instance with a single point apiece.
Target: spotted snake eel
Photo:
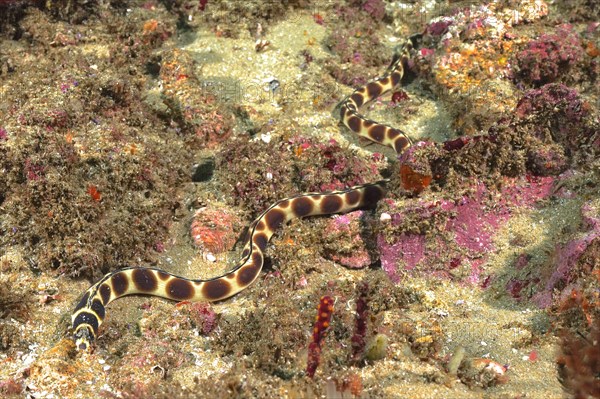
(91, 309)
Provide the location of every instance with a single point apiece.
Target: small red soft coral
(360, 323)
(324, 312)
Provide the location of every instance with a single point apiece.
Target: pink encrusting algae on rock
(465, 230)
(410, 249)
(566, 257)
(203, 316)
(544, 60)
(473, 226)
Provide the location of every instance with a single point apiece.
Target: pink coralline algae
(545, 59)
(33, 171)
(563, 109)
(439, 27)
(408, 249)
(567, 256)
(11, 386)
(204, 317)
(473, 226)
(552, 97)
(399, 96)
(375, 8)
(346, 240)
(465, 229)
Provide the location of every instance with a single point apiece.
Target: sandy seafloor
(487, 323)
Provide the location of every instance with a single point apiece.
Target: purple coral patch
(375, 8)
(468, 226)
(473, 226)
(545, 59)
(408, 250)
(439, 27)
(567, 256)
